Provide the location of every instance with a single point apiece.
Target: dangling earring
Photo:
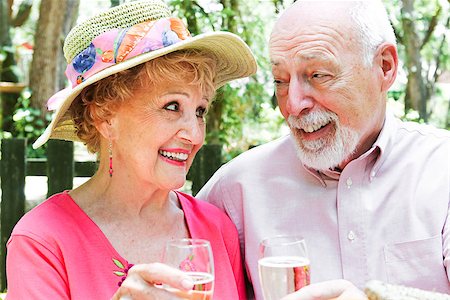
(110, 159)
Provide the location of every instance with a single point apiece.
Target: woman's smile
(176, 157)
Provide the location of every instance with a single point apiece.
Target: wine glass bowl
(193, 256)
(283, 266)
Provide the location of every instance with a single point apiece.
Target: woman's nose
(192, 130)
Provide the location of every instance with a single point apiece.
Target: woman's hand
(333, 289)
(141, 280)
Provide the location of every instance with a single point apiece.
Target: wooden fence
(60, 169)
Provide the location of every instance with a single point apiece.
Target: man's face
(331, 100)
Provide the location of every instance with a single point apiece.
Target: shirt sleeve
(211, 193)
(446, 244)
(34, 271)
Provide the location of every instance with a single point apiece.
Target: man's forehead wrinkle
(311, 54)
(305, 25)
(329, 38)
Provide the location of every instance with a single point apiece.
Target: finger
(161, 273)
(134, 287)
(352, 293)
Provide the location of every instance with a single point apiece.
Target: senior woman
(140, 89)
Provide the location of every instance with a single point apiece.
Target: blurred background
(244, 115)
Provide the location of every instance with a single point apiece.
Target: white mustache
(316, 119)
(328, 151)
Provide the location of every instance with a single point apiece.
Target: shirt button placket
(351, 236)
(349, 182)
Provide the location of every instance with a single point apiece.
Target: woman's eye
(201, 112)
(173, 106)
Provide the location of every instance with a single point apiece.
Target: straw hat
(128, 35)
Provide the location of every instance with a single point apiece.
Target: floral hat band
(117, 45)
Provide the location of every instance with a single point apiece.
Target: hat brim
(234, 60)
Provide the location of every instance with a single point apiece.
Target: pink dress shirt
(383, 217)
(57, 252)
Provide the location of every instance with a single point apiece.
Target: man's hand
(333, 289)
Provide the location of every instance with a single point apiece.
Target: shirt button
(351, 235)
(349, 182)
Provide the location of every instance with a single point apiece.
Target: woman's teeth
(174, 155)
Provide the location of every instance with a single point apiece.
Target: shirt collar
(384, 142)
(378, 151)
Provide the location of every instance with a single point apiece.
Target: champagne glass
(193, 256)
(283, 266)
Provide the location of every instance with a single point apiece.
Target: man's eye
(278, 82)
(173, 106)
(280, 85)
(201, 112)
(320, 76)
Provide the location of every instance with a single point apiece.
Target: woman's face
(159, 131)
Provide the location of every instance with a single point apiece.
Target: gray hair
(373, 25)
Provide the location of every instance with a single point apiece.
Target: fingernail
(187, 283)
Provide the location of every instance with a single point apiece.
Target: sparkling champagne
(282, 275)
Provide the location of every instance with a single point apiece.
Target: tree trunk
(44, 66)
(214, 118)
(70, 19)
(6, 71)
(415, 89)
(4, 24)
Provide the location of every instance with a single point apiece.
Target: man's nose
(299, 97)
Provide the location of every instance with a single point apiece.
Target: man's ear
(387, 60)
(107, 128)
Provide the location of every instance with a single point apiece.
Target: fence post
(60, 166)
(13, 193)
(207, 161)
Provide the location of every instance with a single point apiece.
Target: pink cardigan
(57, 252)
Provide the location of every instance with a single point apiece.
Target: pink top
(385, 216)
(57, 252)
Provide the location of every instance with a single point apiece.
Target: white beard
(328, 152)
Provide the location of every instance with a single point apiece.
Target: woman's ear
(388, 62)
(108, 128)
